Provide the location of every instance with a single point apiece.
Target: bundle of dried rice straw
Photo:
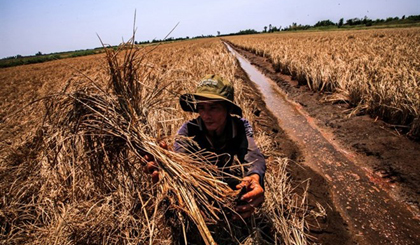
(107, 127)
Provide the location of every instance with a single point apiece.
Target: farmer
(219, 128)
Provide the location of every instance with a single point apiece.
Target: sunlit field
(376, 71)
(73, 132)
(71, 172)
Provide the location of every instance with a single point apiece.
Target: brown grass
(376, 71)
(72, 171)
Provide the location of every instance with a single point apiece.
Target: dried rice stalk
(287, 210)
(108, 128)
(81, 179)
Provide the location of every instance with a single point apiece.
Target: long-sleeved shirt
(236, 140)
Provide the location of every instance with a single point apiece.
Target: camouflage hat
(211, 87)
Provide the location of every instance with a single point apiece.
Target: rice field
(375, 71)
(72, 132)
(71, 170)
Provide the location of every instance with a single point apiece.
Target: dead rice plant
(377, 70)
(78, 178)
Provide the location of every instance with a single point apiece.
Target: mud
(331, 229)
(389, 160)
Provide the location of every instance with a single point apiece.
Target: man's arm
(254, 181)
(151, 165)
(254, 154)
(253, 198)
(255, 157)
(179, 146)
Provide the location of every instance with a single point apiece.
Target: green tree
(341, 22)
(414, 17)
(325, 23)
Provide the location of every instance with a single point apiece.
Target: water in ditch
(370, 212)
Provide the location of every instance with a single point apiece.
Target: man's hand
(151, 165)
(253, 197)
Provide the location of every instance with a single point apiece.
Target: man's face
(213, 114)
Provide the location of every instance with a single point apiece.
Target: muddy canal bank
(369, 171)
(331, 229)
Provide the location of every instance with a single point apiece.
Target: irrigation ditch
(362, 207)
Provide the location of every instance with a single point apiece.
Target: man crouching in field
(220, 129)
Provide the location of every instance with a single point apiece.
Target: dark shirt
(236, 140)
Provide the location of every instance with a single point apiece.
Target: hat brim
(189, 102)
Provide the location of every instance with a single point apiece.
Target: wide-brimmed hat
(211, 87)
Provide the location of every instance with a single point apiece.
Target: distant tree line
(20, 60)
(171, 39)
(355, 22)
(295, 27)
(40, 57)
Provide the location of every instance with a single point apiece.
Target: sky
(47, 26)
